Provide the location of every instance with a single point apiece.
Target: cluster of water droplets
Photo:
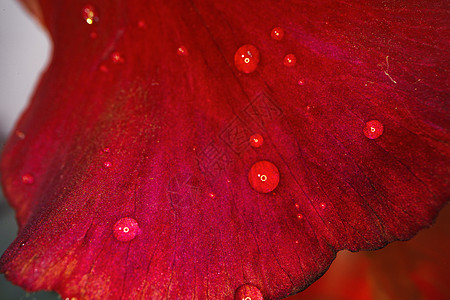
(247, 57)
(89, 14)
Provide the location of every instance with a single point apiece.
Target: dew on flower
(290, 60)
(246, 58)
(126, 229)
(373, 129)
(117, 57)
(264, 177)
(277, 33)
(256, 140)
(182, 51)
(20, 134)
(89, 14)
(28, 179)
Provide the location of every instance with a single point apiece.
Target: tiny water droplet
(256, 140)
(89, 14)
(277, 33)
(141, 24)
(246, 58)
(182, 51)
(323, 205)
(297, 206)
(248, 292)
(117, 58)
(264, 177)
(290, 60)
(373, 129)
(106, 150)
(212, 195)
(301, 82)
(299, 216)
(28, 179)
(20, 134)
(107, 164)
(126, 229)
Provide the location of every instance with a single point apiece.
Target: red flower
(148, 108)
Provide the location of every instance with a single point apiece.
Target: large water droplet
(277, 33)
(89, 14)
(373, 129)
(28, 179)
(264, 176)
(246, 58)
(256, 140)
(290, 60)
(126, 229)
(248, 292)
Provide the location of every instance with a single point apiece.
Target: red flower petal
(177, 124)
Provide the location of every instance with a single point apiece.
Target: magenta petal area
(129, 170)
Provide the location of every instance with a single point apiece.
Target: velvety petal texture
(225, 149)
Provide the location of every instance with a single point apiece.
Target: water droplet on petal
(323, 205)
(106, 150)
(301, 82)
(20, 134)
(212, 195)
(373, 129)
(117, 58)
(248, 292)
(264, 177)
(299, 216)
(103, 68)
(277, 33)
(89, 14)
(126, 229)
(28, 179)
(141, 24)
(246, 58)
(107, 164)
(290, 60)
(182, 51)
(256, 140)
